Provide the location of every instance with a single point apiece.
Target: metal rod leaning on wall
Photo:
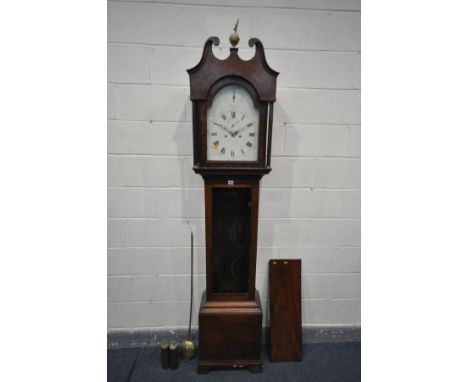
(187, 347)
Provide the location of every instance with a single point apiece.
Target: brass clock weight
(232, 114)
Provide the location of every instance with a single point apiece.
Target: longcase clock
(232, 103)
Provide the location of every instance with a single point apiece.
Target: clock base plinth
(254, 367)
(230, 335)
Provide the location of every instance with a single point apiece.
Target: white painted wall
(310, 203)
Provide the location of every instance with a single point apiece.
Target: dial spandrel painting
(231, 243)
(232, 128)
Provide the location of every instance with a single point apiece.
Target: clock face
(232, 126)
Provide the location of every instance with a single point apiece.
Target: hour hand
(242, 128)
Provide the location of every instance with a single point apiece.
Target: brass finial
(234, 37)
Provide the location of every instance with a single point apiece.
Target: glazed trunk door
(231, 212)
(231, 239)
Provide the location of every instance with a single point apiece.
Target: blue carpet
(340, 362)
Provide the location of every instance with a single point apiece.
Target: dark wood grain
(230, 324)
(213, 183)
(230, 334)
(285, 331)
(208, 77)
(210, 70)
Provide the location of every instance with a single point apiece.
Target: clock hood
(210, 70)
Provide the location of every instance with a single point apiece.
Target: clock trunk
(231, 239)
(231, 211)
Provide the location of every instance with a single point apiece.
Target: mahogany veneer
(232, 333)
(285, 332)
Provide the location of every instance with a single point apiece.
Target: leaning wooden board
(285, 328)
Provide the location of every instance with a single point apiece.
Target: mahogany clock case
(230, 317)
(231, 231)
(230, 335)
(207, 78)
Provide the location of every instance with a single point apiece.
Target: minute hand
(242, 128)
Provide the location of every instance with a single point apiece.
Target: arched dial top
(232, 126)
(210, 70)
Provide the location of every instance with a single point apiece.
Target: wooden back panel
(285, 332)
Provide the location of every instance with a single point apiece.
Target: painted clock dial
(232, 127)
